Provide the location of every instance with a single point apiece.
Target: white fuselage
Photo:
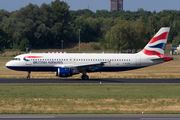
(52, 61)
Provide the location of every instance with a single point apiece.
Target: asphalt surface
(91, 81)
(92, 117)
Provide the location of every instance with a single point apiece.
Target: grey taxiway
(90, 81)
(92, 117)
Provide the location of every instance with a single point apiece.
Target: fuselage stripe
(33, 56)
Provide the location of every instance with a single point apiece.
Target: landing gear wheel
(28, 78)
(85, 77)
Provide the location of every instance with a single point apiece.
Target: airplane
(69, 64)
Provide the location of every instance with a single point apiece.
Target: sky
(132, 5)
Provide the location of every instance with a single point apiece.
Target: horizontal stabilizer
(164, 58)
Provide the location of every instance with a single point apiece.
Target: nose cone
(9, 64)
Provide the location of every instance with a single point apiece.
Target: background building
(116, 5)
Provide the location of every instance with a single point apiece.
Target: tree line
(46, 25)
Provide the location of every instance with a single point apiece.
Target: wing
(89, 66)
(83, 67)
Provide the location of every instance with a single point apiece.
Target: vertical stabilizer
(157, 44)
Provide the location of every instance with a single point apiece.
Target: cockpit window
(17, 59)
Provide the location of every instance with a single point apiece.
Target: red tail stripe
(160, 37)
(33, 56)
(149, 52)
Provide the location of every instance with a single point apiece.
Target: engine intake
(64, 72)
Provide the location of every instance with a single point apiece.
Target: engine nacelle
(64, 72)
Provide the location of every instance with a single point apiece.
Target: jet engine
(64, 72)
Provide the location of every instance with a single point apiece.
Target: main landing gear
(28, 77)
(84, 76)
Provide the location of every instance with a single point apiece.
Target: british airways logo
(25, 59)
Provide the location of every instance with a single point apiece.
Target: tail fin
(157, 44)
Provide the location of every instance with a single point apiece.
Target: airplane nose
(8, 64)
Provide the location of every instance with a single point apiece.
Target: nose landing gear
(28, 77)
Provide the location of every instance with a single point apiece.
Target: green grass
(90, 91)
(85, 99)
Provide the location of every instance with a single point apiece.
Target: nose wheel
(28, 77)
